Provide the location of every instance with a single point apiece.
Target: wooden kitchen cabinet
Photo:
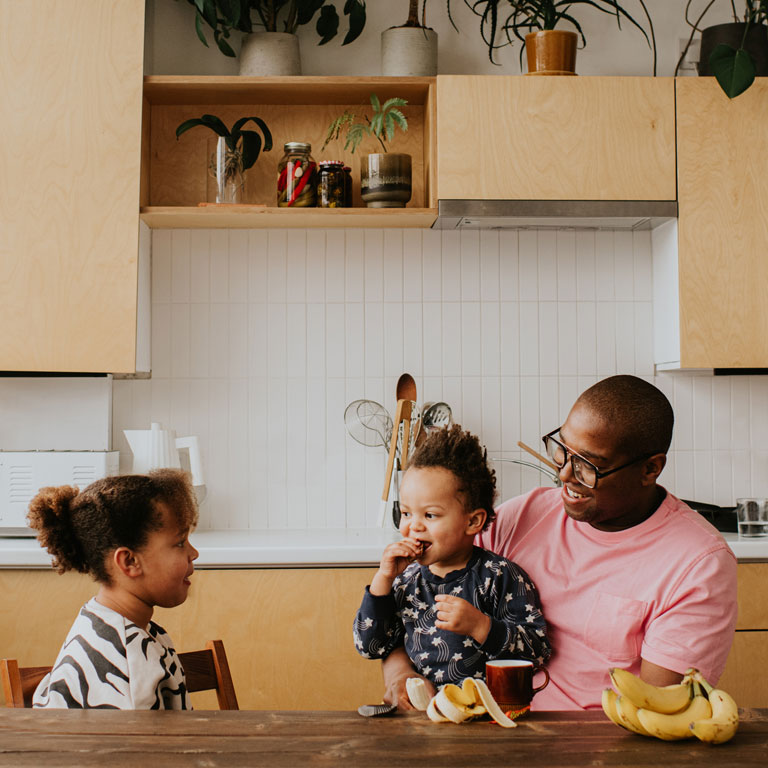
(555, 138)
(723, 226)
(175, 172)
(71, 73)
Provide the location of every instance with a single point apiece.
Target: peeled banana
(669, 699)
(708, 713)
(723, 723)
(417, 693)
(678, 725)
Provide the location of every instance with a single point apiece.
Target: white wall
(261, 338)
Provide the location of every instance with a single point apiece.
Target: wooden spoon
(406, 388)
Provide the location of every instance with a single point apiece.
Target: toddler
(130, 533)
(453, 605)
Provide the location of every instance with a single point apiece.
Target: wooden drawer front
(555, 138)
(744, 677)
(753, 596)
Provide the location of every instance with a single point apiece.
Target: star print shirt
(407, 615)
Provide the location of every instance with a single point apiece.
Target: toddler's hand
(457, 615)
(395, 559)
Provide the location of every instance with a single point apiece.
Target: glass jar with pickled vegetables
(331, 185)
(296, 186)
(347, 186)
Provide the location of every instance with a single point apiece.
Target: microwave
(24, 473)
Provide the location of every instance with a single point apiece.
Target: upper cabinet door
(555, 138)
(71, 85)
(723, 225)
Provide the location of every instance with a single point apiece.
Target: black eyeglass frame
(571, 454)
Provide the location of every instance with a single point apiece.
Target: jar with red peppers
(331, 185)
(296, 184)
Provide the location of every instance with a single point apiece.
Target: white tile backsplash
(261, 338)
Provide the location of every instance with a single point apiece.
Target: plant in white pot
(735, 52)
(538, 25)
(235, 152)
(385, 177)
(270, 45)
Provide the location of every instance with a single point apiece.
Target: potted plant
(735, 52)
(385, 177)
(411, 49)
(235, 152)
(533, 22)
(275, 49)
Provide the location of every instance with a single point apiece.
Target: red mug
(510, 682)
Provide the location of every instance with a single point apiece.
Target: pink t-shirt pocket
(614, 626)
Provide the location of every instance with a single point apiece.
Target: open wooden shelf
(255, 217)
(174, 176)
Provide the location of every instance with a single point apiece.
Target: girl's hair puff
(460, 452)
(80, 529)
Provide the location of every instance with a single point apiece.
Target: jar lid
(347, 168)
(331, 163)
(297, 146)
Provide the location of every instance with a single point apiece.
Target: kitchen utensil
(416, 432)
(157, 448)
(402, 417)
(542, 459)
(376, 710)
(368, 422)
(555, 478)
(436, 416)
(406, 388)
(396, 514)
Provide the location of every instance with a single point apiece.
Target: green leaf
(355, 135)
(306, 9)
(251, 147)
(376, 123)
(224, 46)
(356, 12)
(734, 70)
(187, 124)
(375, 103)
(389, 126)
(399, 118)
(215, 124)
(236, 130)
(394, 102)
(209, 13)
(327, 24)
(199, 29)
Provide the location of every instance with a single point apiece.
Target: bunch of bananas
(457, 704)
(689, 708)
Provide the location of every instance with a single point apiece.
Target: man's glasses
(583, 469)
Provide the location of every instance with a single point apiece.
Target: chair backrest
(204, 670)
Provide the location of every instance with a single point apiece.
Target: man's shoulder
(538, 501)
(688, 527)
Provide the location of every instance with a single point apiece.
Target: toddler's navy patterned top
(495, 585)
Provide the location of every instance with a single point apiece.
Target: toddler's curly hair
(80, 528)
(460, 452)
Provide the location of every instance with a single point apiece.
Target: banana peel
(457, 704)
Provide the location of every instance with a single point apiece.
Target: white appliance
(23, 473)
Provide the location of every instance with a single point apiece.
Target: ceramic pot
(409, 52)
(386, 180)
(265, 54)
(732, 34)
(551, 52)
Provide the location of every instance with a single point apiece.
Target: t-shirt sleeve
(696, 627)
(377, 630)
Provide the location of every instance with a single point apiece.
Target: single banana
(609, 706)
(723, 723)
(668, 700)
(417, 693)
(677, 726)
(627, 713)
(494, 710)
(458, 704)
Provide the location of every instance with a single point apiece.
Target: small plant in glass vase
(235, 152)
(385, 177)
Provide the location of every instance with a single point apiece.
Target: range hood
(559, 214)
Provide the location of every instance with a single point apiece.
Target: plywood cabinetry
(723, 227)
(71, 77)
(555, 138)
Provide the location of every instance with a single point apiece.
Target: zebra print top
(108, 662)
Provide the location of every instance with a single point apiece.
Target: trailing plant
(246, 144)
(503, 20)
(381, 125)
(223, 16)
(733, 68)
(413, 14)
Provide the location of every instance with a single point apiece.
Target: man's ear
(652, 468)
(126, 562)
(476, 521)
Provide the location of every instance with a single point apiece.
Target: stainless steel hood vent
(553, 214)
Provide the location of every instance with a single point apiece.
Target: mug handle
(546, 682)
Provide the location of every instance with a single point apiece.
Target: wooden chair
(205, 670)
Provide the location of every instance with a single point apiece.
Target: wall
(261, 338)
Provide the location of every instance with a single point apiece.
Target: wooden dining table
(207, 739)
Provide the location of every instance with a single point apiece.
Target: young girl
(130, 533)
(457, 605)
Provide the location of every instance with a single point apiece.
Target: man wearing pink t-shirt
(628, 575)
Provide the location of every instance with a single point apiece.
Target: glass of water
(752, 517)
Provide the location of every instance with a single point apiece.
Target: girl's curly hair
(460, 452)
(80, 529)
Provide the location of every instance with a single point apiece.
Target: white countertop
(309, 548)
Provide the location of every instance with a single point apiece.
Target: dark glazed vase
(386, 180)
(732, 34)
